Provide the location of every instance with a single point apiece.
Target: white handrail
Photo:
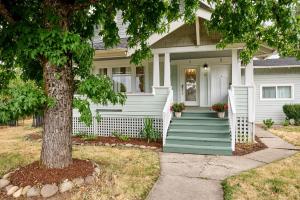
(167, 115)
(232, 117)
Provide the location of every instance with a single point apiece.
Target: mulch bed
(115, 140)
(35, 173)
(104, 140)
(243, 149)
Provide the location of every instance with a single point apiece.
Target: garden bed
(245, 148)
(106, 141)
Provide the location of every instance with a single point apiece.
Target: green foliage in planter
(268, 123)
(292, 111)
(220, 107)
(178, 107)
(149, 132)
(120, 136)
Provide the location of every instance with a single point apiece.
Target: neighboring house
(188, 67)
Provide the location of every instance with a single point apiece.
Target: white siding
(273, 108)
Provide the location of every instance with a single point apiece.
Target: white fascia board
(195, 49)
(205, 14)
(278, 66)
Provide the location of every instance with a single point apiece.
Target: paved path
(197, 177)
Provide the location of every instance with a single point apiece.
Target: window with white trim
(276, 92)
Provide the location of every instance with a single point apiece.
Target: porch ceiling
(195, 55)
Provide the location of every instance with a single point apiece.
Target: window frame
(276, 86)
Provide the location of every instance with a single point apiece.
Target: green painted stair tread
(225, 131)
(200, 123)
(200, 118)
(218, 139)
(192, 149)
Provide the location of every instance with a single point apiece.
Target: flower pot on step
(221, 114)
(177, 114)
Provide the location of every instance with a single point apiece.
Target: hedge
(292, 111)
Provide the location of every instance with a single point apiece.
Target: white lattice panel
(127, 125)
(243, 130)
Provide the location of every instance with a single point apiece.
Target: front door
(189, 86)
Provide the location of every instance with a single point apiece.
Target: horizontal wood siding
(136, 105)
(241, 100)
(273, 108)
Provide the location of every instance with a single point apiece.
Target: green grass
(126, 174)
(277, 180)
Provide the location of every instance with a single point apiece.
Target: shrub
(220, 107)
(121, 137)
(286, 122)
(149, 132)
(178, 107)
(89, 137)
(268, 123)
(292, 111)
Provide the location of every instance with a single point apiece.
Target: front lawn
(127, 173)
(278, 180)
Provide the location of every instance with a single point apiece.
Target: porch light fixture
(205, 66)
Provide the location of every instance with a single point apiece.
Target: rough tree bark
(57, 144)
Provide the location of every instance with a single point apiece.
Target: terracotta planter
(221, 114)
(178, 114)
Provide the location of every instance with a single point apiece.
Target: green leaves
(98, 90)
(270, 22)
(21, 99)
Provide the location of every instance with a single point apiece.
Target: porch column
(249, 74)
(236, 68)
(167, 71)
(156, 70)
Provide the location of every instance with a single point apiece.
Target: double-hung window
(277, 92)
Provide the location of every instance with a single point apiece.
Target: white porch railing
(232, 117)
(167, 115)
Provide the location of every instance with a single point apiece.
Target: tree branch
(5, 13)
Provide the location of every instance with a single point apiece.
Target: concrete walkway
(196, 177)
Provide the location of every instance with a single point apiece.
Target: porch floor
(196, 109)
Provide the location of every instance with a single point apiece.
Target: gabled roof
(277, 62)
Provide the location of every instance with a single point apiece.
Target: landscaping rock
(25, 190)
(143, 147)
(107, 144)
(18, 193)
(4, 183)
(152, 147)
(8, 187)
(78, 181)
(6, 176)
(89, 180)
(33, 192)
(12, 190)
(128, 145)
(100, 143)
(113, 145)
(97, 170)
(65, 186)
(49, 190)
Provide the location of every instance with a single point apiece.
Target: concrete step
(181, 140)
(192, 149)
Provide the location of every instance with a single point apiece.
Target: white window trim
(133, 76)
(276, 99)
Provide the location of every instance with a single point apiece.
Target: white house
(188, 67)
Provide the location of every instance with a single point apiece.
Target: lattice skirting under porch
(126, 125)
(244, 130)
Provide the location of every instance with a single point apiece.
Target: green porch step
(193, 149)
(224, 142)
(199, 133)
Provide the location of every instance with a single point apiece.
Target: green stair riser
(199, 127)
(211, 121)
(197, 151)
(201, 135)
(191, 114)
(199, 143)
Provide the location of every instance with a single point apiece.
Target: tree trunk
(57, 144)
(37, 120)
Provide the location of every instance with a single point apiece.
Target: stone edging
(47, 190)
(116, 145)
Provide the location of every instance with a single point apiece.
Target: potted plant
(177, 108)
(220, 108)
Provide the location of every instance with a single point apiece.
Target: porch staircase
(199, 133)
